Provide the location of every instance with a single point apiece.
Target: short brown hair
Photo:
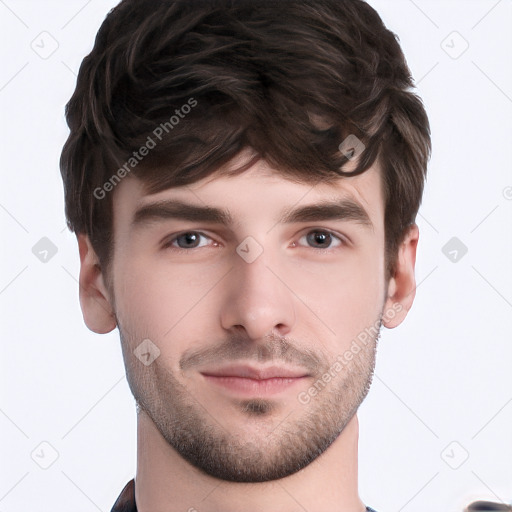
(288, 79)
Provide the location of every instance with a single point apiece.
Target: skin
(206, 307)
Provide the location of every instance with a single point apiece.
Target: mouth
(256, 382)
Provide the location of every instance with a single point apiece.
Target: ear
(94, 297)
(402, 285)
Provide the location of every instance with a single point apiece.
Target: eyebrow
(343, 209)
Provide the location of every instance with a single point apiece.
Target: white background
(443, 383)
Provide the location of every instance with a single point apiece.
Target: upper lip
(249, 372)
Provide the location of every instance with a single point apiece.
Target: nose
(257, 299)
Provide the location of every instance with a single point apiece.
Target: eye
(187, 240)
(317, 239)
(322, 239)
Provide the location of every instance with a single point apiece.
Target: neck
(165, 482)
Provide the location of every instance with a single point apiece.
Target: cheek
(177, 304)
(365, 298)
(342, 298)
(161, 301)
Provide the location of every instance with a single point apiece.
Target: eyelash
(342, 241)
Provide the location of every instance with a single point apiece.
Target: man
(243, 178)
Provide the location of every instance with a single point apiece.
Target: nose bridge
(257, 299)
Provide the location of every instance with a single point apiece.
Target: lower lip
(254, 387)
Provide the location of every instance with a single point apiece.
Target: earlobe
(94, 297)
(402, 285)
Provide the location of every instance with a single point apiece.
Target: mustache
(238, 348)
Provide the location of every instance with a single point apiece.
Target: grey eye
(188, 240)
(320, 239)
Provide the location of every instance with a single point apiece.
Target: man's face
(250, 317)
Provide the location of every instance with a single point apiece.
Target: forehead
(260, 192)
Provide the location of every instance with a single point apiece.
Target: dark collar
(126, 500)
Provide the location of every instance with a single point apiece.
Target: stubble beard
(189, 425)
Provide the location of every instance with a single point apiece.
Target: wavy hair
(288, 79)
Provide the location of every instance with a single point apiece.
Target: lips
(248, 381)
(249, 372)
